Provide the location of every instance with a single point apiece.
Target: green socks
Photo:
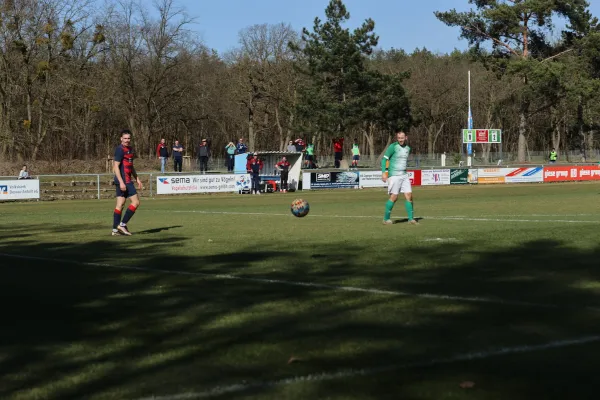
(409, 209)
(388, 210)
(390, 205)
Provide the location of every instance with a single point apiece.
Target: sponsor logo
(323, 177)
(180, 180)
(164, 181)
(456, 173)
(3, 189)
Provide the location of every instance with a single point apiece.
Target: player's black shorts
(129, 190)
(356, 158)
(309, 157)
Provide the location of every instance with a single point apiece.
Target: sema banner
(459, 176)
(20, 189)
(435, 177)
(201, 183)
(564, 174)
(373, 178)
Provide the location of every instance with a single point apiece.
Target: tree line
(73, 74)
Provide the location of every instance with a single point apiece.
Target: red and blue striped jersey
(124, 155)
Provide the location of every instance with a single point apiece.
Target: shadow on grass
(158, 230)
(74, 330)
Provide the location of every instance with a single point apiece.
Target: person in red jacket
(284, 167)
(338, 144)
(254, 166)
(163, 154)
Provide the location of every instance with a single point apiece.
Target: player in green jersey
(393, 169)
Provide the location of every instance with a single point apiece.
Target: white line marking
(434, 296)
(452, 218)
(439, 240)
(350, 373)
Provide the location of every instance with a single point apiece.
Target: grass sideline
(76, 329)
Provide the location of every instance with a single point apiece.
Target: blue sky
(401, 24)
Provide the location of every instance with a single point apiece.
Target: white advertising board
(524, 175)
(20, 189)
(370, 179)
(435, 177)
(185, 184)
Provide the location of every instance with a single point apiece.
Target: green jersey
(395, 159)
(310, 150)
(355, 150)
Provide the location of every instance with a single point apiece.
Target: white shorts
(399, 184)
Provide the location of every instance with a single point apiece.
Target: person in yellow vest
(553, 156)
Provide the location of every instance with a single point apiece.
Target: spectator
(553, 157)
(309, 161)
(23, 174)
(299, 143)
(203, 155)
(254, 167)
(284, 167)
(241, 147)
(163, 154)
(355, 154)
(177, 156)
(291, 148)
(338, 145)
(230, 149)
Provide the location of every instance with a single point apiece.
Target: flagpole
(469, 125)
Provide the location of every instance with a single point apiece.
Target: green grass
(74, 330)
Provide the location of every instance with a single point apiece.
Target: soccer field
(230, 296)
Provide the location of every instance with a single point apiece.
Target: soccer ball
(300, 208)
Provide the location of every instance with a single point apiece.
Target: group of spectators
(203, 153)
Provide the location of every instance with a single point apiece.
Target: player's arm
(385, 162)
(135, 175)
(386, 158)
(118, 159)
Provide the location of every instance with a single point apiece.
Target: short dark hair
(125, 132)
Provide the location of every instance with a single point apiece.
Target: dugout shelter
(270, 176)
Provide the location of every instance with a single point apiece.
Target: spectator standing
(177, 156)
(553, 156)
(163, 154)
(254, 167)
(241, 147)
(284, 167)
(203, 155)
(24, 174)
(338, 146)
(290, 147)
(230, 149)
(355, 154)
(309, 161)
(299, 143)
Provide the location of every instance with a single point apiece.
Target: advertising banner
(459, 176)
(523, 175)
(473, 175)
(490, 175)
(332, 180)
(415, 177)
(201, 183)
(435, 177)
(20, 189)
(373, 178)
(572, 173)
